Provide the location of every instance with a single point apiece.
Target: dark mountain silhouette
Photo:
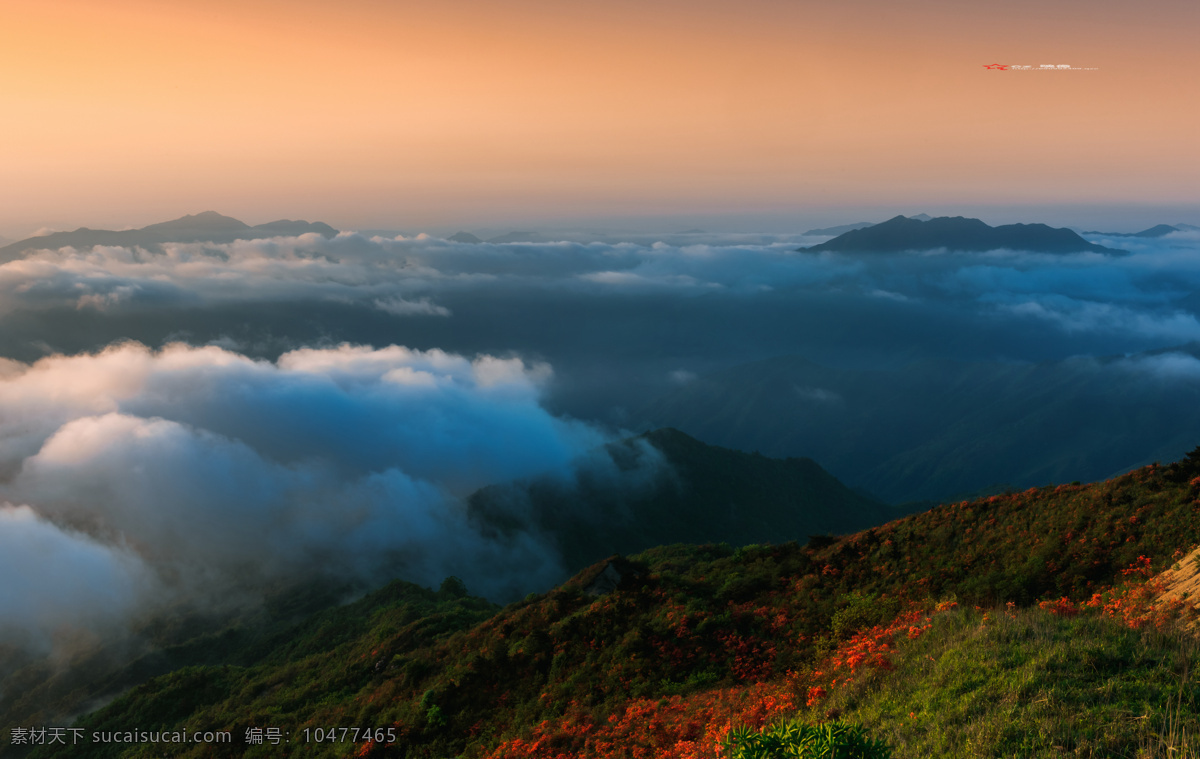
(957, 233)
(703, 494)
(938, 429)
(290, 228)
(1156, 231)
(202, 227)
(841, 229)
(208, 220)
(464, 237)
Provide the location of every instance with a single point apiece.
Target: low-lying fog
(181, 421)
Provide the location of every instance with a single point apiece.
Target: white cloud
(889, 295)
(1167, 366)
(402, 307)
(55, 577)
(614, 278)
(1087, 316)
(202, 469)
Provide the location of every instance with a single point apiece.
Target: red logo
(997, 66)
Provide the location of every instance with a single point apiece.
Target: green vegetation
(698, 640)
(784, 740)
(1027, 683)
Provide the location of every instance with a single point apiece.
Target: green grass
(457, 676)
(797, 740)
(1031, 684)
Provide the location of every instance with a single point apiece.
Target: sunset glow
(376, 113)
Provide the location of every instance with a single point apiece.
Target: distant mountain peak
(1159, 230)
(691, 492)
(843, 228)
(840, 229)
(208, 226)
(203, 220)
(290, 228)
(903, 233)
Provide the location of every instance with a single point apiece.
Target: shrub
(786, 740)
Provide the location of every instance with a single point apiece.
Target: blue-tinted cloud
(195, 470)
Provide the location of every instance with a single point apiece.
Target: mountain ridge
(1159, 230)
(939, 429)
(842, 228)
(208, 226)
(696, 493)
(959, 233)
(636, 638)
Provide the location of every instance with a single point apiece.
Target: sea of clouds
(406, 276)
(134, 475)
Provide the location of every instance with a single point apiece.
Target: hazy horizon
(1118, 218)
(439, 117)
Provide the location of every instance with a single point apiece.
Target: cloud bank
(614, 318)
(409, 277)
(132, 475)
(174, 472)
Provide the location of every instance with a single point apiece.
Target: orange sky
(385, 112)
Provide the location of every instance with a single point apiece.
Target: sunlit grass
(1026, 683)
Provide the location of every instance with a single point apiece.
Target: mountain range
(940, 429)
(208, 226)
(842, 228)
(1021, 625)
(1159, 230)
(901, 234)
(690, 492)
(694, 493)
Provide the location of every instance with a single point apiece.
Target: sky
(460, 114)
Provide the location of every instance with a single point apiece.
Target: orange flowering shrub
(1063, 607)
(679, 727)
(1136, 602)
(693, 726)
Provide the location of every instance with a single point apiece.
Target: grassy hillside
(38, 689)
(672, 488)
(692, 640)
(1029, 683)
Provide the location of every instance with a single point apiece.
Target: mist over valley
(204, 422)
